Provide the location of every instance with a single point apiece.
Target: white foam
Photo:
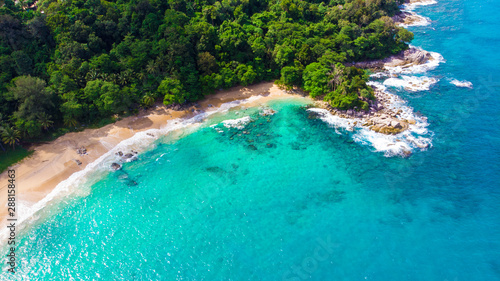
(414, 4)
(414, 19)
(388, 144)
(417, 137)
(431, 64)
(267, 111)
(411, 83)
(79, 182)
(239, 123)
(464, 83)
(337, 122)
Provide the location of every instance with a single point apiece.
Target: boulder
(116, 166)
(396, 124)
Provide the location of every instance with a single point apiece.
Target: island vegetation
(83, 62)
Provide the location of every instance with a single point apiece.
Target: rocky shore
(381, 117)
(407, 58)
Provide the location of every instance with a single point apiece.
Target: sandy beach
(56, 161)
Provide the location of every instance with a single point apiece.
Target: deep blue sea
(290, 197)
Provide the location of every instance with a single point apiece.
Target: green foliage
(33, 100)
(172, 91)
(290, 76)
(10, 157)
(10, 136)
(348, 88)
(316, 79)
(80, 62)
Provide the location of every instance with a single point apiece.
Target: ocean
(275, 193)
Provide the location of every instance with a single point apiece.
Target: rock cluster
(81, 151)
(128, 157)
(380, 118)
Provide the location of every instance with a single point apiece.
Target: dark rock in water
(128, 156)
(270, 145)
(252, 147)
(116, 166)
(215, 169)
(119, 153)
(131, 183)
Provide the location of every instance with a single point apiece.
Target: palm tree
(141, 76)
(148, 99)
(92, 75)
(70, 121)
(122, 79)
(337, 77)
(11, 136)
(152, 67)
(45, 121)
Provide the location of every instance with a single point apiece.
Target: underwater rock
(131, 183)
(215, 169)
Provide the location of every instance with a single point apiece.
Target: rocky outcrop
(380, 118)
(409, 57)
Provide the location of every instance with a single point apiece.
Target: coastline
(54, 162)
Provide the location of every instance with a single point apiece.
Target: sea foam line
(464, 83)
(413, 19)
(432, 63)
(412, 83)
(412, 5)
(139, 142)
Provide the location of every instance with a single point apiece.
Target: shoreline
(54, 162)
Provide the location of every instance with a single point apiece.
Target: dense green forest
(65, 63)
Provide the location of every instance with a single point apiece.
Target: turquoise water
(294, 200)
